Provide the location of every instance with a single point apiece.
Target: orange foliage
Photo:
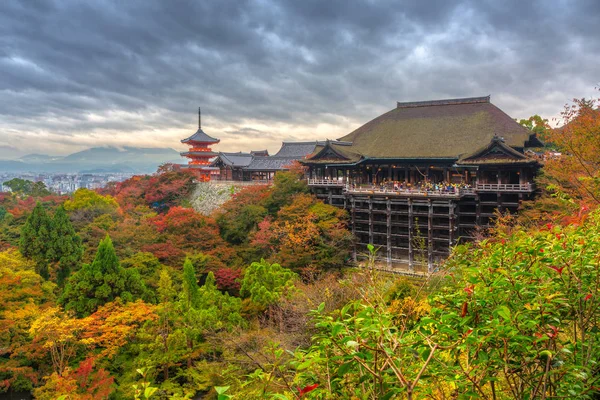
(84, 383)
(307, 233)
(254, 195)
(130, 193)
(186, 230)
(111, 327)
(23, 297)
(577, 169)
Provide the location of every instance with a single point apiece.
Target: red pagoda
(200, 152)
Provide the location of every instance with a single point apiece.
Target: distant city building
(61, 183)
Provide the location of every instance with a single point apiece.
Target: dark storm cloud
(109, 70)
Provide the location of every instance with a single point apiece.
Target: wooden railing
(406, 192)
(326, 182)
(458, 192)
(504, 187)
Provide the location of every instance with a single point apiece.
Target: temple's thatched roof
(440, 129)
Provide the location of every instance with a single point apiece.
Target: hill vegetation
(129, 293)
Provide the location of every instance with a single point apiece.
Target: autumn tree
(87, 199)
(24, 296)
(576, 171)
(305, 235)
(537, 125)
(239, 216)
(86, 382)
(285, 185)
(86, 205)
(111, 327)
(59, 335)
(184, 230)
(101, 282)
(169, 187)
(134, 232)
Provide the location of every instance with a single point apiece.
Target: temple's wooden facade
(259, 166)
(425, 176)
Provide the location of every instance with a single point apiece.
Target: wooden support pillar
(477, 210)
(411, 255)
(406, 174)
(521, 177)
(370, 205)
(353, 225)
(389, 232)
(451, 223)
(330, 196)
(430, 237)
(499, 201)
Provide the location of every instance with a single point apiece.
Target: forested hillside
(129, 293)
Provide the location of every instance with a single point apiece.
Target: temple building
(259, 166)
(425, 176)
(200, 154)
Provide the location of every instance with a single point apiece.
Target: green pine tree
(36, 237)
(190, 284)
(101, 282)
(65, 247)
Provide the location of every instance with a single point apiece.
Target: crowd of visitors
(421, 186)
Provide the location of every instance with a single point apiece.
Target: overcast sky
(77, 74)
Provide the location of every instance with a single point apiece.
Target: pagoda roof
(200, 137)
(199, 153)
(260, 153)
(438, 129)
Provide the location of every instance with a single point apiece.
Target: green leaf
(221, 389)
(504, 312)
(149, 392)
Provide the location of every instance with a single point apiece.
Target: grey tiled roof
(200, 136)
(236, 159)
(296, 149)
(272, 163)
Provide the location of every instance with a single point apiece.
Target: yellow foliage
(59, 334)
(85, 198)
(410, 308)
(12, 260)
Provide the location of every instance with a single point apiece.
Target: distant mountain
(105, 159)
(39, 158)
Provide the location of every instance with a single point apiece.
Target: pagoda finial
(199, 118)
